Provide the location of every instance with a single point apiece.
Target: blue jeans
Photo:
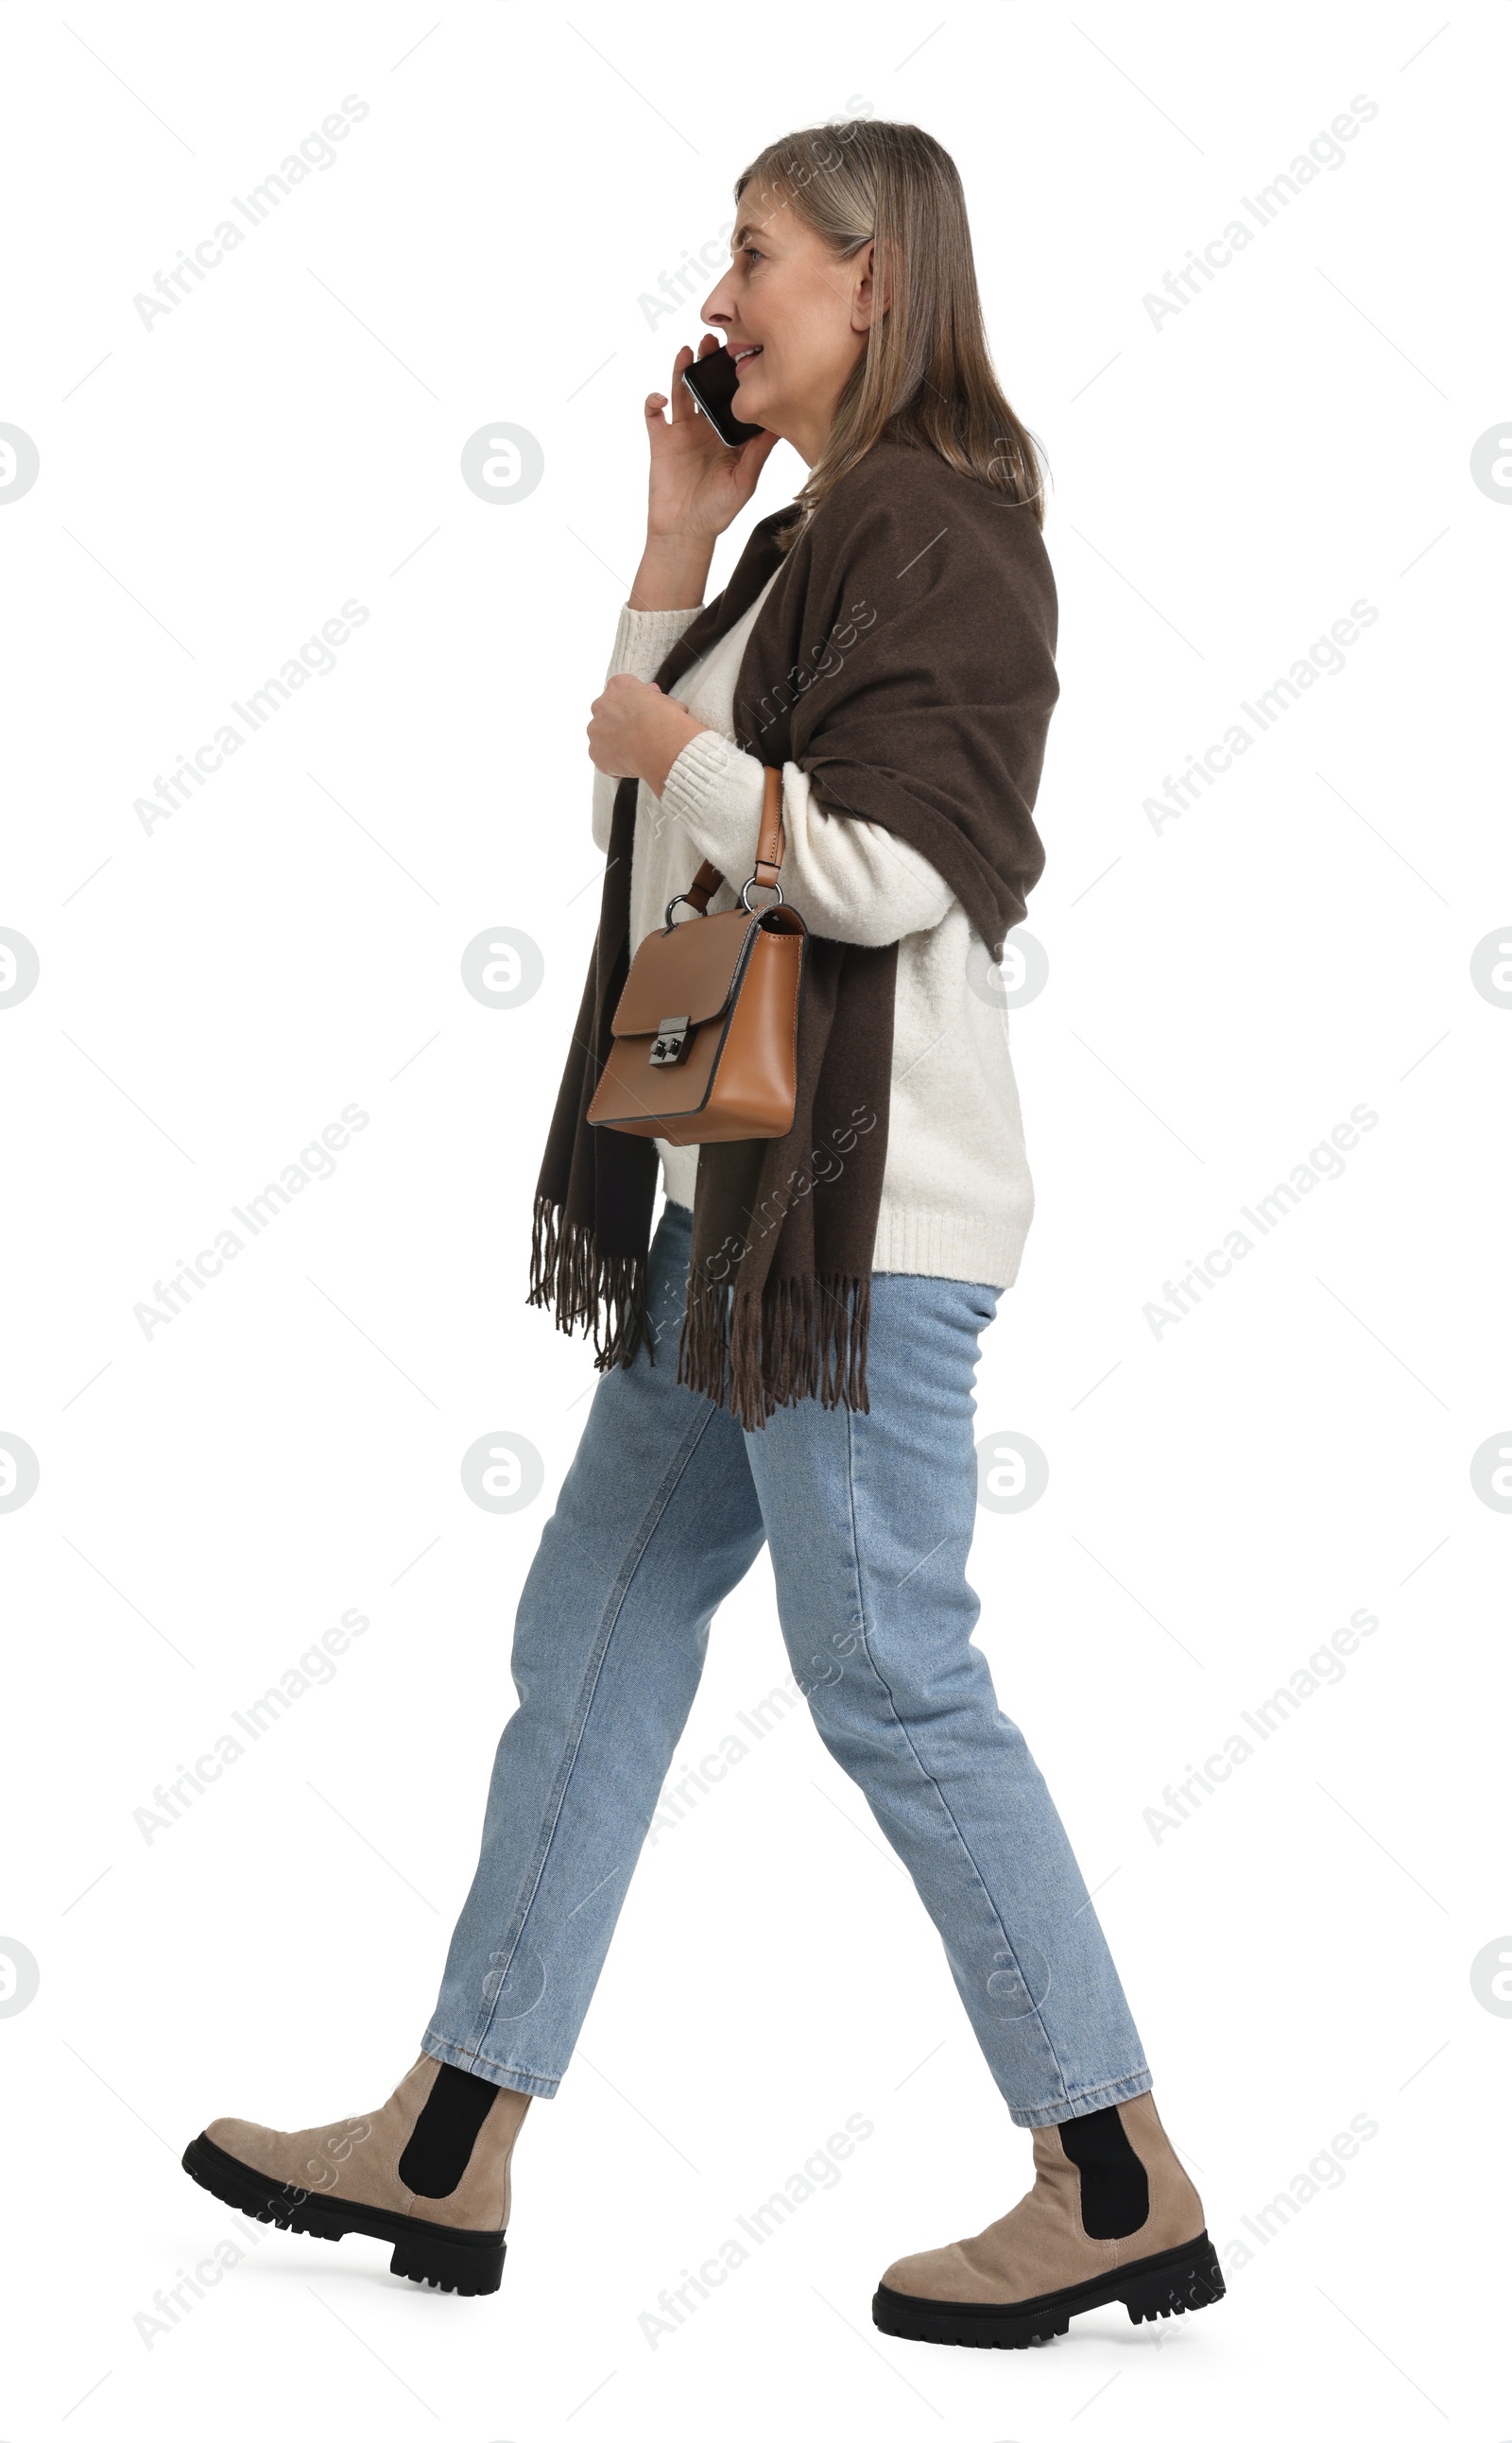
(869, 1519)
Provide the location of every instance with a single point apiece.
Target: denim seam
(1134, 2083)
(613, 1607)
(461, 2057)
(923, 1768)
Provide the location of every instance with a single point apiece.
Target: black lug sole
(1170, 2284)
(467, 2262)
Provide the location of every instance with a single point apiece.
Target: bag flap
(687, 973)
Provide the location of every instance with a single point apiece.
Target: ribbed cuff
(715, 791)
(644, 638)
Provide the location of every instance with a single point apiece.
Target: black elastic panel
(1115, 2188)
(442, 2142)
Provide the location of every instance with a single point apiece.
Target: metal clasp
(672, 1036)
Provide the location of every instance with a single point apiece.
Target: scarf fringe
(805, 1339)
(607, 1293)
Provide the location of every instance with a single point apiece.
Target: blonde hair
(924, 376)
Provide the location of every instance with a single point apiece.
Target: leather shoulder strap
(770, 847)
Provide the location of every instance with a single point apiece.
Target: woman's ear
(865, 306)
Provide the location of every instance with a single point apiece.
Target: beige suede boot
(1110, 2216)
(429, 2170)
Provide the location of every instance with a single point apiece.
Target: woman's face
(795, 318)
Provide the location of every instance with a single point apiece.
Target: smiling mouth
(742, 356)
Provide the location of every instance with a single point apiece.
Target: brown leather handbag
(706, 1030)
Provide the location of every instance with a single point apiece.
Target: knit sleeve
(642, 642)
(850, 880)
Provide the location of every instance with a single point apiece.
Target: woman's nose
(714, 308)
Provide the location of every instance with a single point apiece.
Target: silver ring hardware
(753, 884)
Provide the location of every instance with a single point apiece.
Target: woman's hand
(698, 484)
(637, 733)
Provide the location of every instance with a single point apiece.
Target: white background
(1221, 993)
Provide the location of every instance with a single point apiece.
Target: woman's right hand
(698, 484)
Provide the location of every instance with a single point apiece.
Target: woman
(789, 1360)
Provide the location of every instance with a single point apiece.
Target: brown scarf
(904, 660)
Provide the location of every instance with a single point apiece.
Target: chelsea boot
(428, 2171)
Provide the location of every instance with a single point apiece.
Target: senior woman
(787, 1358)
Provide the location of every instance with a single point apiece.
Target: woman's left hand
(637, 733)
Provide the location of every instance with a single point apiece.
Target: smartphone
(715, 384)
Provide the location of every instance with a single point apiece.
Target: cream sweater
(957, 1196)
